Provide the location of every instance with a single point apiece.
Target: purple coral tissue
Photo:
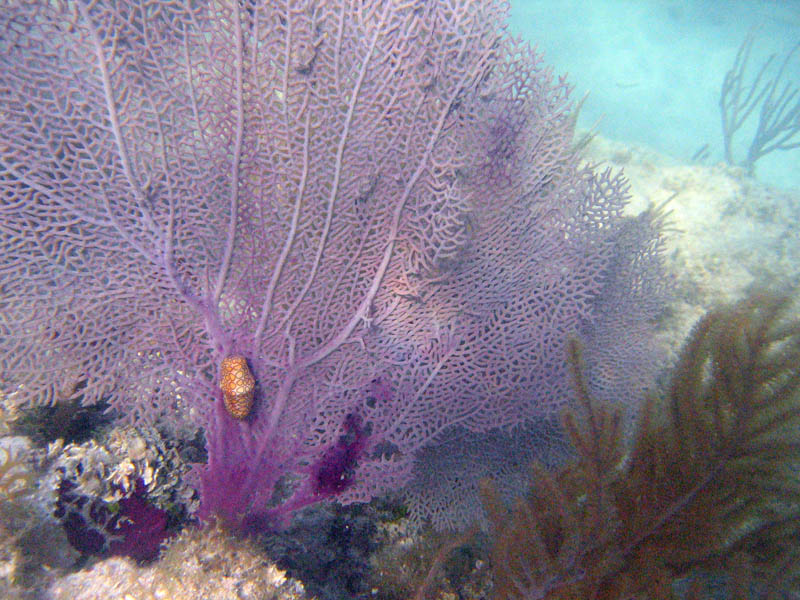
(375, 203)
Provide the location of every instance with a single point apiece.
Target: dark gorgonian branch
(775, 100)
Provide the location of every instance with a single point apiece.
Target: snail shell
(238, 385)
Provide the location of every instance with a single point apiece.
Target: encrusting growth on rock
(708, 484)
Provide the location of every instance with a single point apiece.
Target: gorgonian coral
(335, 192)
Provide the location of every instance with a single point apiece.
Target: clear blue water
(654, 68)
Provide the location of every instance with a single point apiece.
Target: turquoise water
(654, 68)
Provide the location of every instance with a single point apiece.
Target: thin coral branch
(776, 101)
(709, 482)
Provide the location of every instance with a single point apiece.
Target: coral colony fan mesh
(372, 210)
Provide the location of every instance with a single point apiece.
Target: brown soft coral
(709, 483)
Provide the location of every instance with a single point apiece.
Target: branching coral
(709, 482)
(334, 192)
(774, 99)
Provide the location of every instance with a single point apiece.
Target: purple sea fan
(374, 204)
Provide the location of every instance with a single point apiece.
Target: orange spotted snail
(237, 384)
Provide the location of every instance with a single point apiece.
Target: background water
(654, 68)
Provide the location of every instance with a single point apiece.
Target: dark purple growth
(134, 528)
(340, 193)
(335, 470)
